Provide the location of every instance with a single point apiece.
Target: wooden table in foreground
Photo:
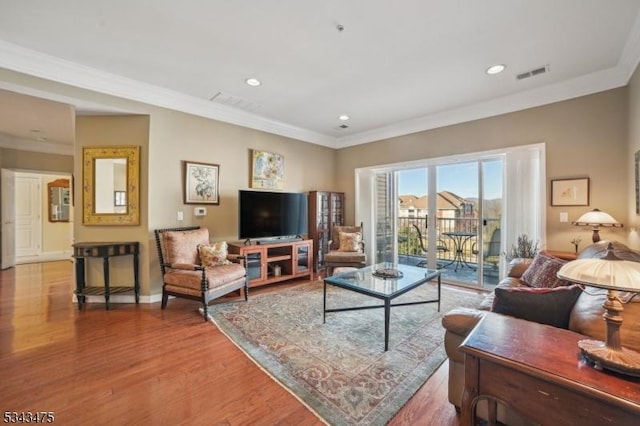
(536, 370)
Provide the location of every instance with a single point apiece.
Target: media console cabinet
(275, 262)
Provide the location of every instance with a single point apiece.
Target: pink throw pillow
(543, 272)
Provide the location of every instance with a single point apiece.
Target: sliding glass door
(457, 209)
(457, 214)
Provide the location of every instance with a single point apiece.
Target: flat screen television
(271, 215)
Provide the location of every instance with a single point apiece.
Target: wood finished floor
(141, 365)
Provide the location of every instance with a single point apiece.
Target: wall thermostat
(200, 211)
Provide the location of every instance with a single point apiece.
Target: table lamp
(595, 219)
(614, 274)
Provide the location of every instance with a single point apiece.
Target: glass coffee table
(384, 281)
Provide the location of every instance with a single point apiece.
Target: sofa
(581, 313)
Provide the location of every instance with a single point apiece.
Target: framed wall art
(570, 192)
(201, 183)
(267, 170)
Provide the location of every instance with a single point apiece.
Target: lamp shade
(609, 272)
(597, 217)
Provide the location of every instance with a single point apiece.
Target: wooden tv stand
(294, 259)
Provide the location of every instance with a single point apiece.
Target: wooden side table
(105, 251)
(536, 370)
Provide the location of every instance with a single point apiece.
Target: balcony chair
(193, 269)
(346, 249)
(440, 247)
(492, 254)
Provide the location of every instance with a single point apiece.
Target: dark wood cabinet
(537, 371)
(82, 251)
(326, 210)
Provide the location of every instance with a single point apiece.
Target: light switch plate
(180, 216)
(564, 217)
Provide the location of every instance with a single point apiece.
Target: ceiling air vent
(533, 72)
(234, 101)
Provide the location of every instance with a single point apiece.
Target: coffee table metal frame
(386, 289)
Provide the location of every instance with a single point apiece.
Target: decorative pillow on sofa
(350, 241)
(214, 254)
(542, 305)
(543, 272)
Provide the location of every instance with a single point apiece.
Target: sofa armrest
(517, 266)
(461, 321)
(458, 323)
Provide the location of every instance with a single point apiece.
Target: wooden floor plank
(141, 365)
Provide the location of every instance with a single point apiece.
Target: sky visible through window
(461, 179)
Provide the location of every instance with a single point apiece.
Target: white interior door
(8, 219)
(28, 207)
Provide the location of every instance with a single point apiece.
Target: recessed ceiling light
(253, 82)
(495, 69)
(344, 117)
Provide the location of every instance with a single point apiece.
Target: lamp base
(624, 361)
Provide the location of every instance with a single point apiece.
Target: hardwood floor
(141, 365)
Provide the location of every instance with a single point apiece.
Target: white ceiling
(396, 68)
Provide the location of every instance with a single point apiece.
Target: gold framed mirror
(59, 197)
(111, 185)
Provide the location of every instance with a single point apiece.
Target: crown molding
(17, 58)
(34, 146)
(630, 56)
(569, 89)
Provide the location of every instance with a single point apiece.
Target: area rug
(340, 369)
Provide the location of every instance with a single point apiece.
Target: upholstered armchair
(346, 248)
(193, 268)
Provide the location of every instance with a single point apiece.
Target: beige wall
(586, 136)
(176, 137)
(171, 138)
(632, 218)
(109, 131)
(35, 161)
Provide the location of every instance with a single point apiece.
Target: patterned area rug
(339, 369)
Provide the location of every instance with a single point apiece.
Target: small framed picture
(570, 192)
(267, 170)
(201, 183)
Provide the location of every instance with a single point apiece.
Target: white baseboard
(51, 256)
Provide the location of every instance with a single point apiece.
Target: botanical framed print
(570, 192)
(267, 170)
(201, 183)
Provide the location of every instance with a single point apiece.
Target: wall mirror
(59, 197)
(110, 191)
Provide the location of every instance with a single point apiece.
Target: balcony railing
(409, 240)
